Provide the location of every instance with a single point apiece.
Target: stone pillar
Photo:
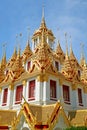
(24, 89)
(38, 93)
(46, 91)
(10, 96)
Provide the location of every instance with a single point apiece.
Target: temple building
(42, 88)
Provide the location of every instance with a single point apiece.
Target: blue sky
(16, 16)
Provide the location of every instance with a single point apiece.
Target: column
(38, 92)
(74, 99)
(24, 90)
(46, 91)
(10, 96)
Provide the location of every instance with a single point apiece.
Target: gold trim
(85, 89)
(74, 87)
(11, 87)
(42, 78)
(60, 82)
(24, 82)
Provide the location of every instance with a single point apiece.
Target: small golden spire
(43, 24)
(28, 33)
(3, 62)
(82, 50)
(66, 45)
(43, 11)
(67, 52)
(20, 42)
(14, 54)
(66, 37)
(58, 35)
(19, 50)
(4, 51)
(16, 39)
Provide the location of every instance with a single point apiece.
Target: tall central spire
(43, 11)
(43, 24)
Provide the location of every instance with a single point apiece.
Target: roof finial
(43, 11)
(20, 38)
(19, 51)
(28, 35)
(43, 24)
(66, 37)
(4, 50)
(70, 44)
(66, 45)
(16, 39)
(82, 50)
(58, 35)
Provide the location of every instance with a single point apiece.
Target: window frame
(28, 65)
(53, 89)
(57, 65)
(5, 96)
(66, 94)
(20, 99)
(80, 99)
(31, 90)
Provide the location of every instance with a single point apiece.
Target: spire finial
(4, 48)
(66, 45)
(66, 37)
(58, 35)
(43, 24)
(16, 39)
(70, 44)
(28, 33)
(4, 52)
(43, 11)
(82, 50)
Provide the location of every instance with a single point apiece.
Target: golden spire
(67, 69)
(66, 38)
(14, 54)
(58, 35)
(28, 35)
(19, 51)
(84, 72)
(59, 50)
(4, 53)
(43, 24)
(67, 55)
(13, 59)
(27, 51)
(82, 55)
(4, 62)
(2, 76)
(72, 57)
